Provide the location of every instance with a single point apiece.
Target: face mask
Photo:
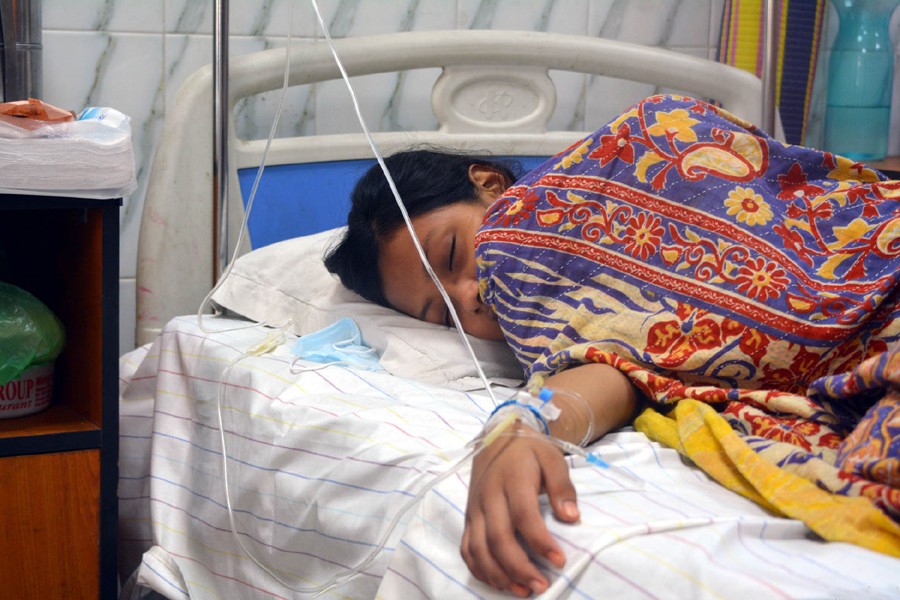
(340, 342)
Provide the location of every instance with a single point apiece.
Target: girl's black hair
(426, 180)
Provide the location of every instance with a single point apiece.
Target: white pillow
(288, 280)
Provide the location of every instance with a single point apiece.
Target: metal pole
(220, 136)
(771, 35)
(21, 66)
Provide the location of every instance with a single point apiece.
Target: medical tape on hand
(535, 412)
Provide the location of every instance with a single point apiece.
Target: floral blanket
(748, 288)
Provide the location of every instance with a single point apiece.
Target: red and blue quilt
(712, 263)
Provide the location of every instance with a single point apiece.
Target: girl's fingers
(524, 507)
(528, 521)
(477, 550)
(503, 514)
(520, 513)
(468, 554)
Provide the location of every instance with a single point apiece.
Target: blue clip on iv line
(594, 459)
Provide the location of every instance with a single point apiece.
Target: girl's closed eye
(452, 253)
(447, 321)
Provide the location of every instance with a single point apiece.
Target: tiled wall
(133, 54)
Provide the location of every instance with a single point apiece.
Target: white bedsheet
(321, 461)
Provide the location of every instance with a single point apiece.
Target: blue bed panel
(302, 199)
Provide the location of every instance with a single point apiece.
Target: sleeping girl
(677, 264)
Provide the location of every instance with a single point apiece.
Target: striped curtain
(801, 28)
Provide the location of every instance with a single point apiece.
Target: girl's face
(447, 236)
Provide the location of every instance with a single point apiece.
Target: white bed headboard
(175, 250)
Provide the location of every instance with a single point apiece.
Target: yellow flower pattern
(677, 122)
(748, 207)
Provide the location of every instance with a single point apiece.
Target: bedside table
(58, 467)
(890, 166)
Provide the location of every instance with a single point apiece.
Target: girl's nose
(464, 293)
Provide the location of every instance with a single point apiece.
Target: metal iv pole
(21, 64)
(220, 137)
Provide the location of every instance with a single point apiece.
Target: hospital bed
(322, 460)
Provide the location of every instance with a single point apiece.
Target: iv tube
(402, 207)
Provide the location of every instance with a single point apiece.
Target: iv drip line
(402, 207)
(262, 165)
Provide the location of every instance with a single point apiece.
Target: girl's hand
(507, 478)
(510, 473)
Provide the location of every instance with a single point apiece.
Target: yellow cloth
(701, 434)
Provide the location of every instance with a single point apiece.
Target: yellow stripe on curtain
(799, 36)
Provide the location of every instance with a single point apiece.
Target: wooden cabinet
(58, 467)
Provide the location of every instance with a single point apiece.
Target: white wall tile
(690, 23)
(348, 18)
(253, 117)
(144, 16)
(189, 16)
(569, 114)
(343, 18)
(185, 54)
(662, 23)
(245, 17)
(557, 16)
(607, 97)
(409, 106)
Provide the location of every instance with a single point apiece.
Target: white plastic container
(29, 393)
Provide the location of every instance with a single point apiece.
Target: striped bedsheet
(321, 461)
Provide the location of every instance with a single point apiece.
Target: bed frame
(176, 251)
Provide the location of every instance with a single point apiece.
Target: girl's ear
(489, 182)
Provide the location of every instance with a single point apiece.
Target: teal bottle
(860, 80)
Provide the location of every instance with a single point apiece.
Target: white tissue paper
(89, 157)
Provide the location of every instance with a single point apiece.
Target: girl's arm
(508, 476)
(608, 401)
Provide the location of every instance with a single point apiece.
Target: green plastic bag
(29, 332)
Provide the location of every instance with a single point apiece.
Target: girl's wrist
(522, 412)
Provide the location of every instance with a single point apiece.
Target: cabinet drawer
(50, 539)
